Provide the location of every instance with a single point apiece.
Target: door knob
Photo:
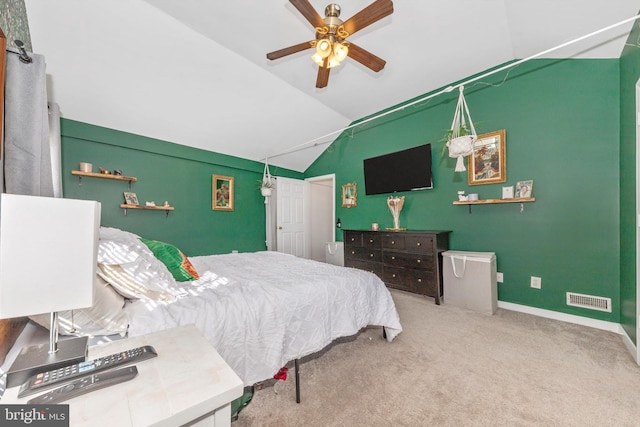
(279, 227)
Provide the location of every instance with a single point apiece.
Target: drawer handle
(353, 252)
(370, 240)
(393, 275)
(371, 255)
(419, 280)
(419, 261)
(418, 244)
(393, 257)
(393, 242)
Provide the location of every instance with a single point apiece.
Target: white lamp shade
(48, 250)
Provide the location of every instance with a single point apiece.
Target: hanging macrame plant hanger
(462, 135)
(267, 181)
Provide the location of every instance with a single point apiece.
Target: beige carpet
(453, 367)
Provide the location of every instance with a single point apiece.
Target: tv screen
(404, 170)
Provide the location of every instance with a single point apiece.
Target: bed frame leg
(297, 368)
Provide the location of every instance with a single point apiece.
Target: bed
(259, 310)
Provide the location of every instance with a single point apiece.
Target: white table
(187, 383)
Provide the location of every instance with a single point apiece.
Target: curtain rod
(447, 89)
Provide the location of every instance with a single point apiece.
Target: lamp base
(36, 358)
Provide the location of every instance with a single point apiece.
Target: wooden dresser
(406, 260)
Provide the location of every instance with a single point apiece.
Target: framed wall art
(488, 162)
(222, 193)
(349, 195)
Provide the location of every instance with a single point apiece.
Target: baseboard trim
(569, 318)
(630, 346)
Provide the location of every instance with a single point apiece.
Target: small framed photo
(507, 192)
(488, 162)
(222, 193)
(524, 189)
(130, 198)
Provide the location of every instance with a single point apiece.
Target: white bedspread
(262, 310)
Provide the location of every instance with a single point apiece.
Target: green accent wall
(167, 172)
(629, 75)
(562, 122)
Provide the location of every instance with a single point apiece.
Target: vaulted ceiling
(194, 72)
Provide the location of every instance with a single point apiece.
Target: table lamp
(48, 250)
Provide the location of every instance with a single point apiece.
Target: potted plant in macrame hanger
(462, 135)
(266, 183)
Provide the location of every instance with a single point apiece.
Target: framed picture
(524, 189)
(349, 195)
(488, 163)
(130, 198)
(222, 193)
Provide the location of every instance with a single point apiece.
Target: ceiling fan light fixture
(340, 51)
(323, 48)
(332, 61)
(317, 59)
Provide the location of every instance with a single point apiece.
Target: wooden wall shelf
(80, 174)
(149, 208)
(520, 200)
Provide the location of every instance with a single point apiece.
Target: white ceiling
(194, 72)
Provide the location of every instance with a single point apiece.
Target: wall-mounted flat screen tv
(404, 170)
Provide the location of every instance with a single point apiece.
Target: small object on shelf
(472, 197)
(375, 226)
(166, 203)
(104, 171)
(461, 196)
(507, 192)
(130, 198)
(151, 203)
(117, 172)
(86, 167)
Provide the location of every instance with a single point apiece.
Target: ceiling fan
(331, 34)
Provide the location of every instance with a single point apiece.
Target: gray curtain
(27, 152)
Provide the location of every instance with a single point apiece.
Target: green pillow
(176, 262)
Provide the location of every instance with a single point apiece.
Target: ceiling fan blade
(323, 76)
(311, 15)
(288, 50)
(366, 58)
(367, 16)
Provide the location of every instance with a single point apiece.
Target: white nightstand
(187, 383)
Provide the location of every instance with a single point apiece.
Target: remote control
(85, 385)
(49, 379)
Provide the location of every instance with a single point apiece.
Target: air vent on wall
(589, 301)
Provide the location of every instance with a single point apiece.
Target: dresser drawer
(419, 243)
(408, 279)
(372, 240)
(393, 241)
(409, 260)
(352, 238)
(365, 254)
(373, 267)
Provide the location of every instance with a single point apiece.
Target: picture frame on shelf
(130, 198)
(487, 164)
(524, 189)
(222, 193)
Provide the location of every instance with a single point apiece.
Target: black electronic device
(46, 380)
(403, 170)
(86, 384)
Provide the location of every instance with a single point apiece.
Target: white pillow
(105, 317)
(129, 287)
(118, 247)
